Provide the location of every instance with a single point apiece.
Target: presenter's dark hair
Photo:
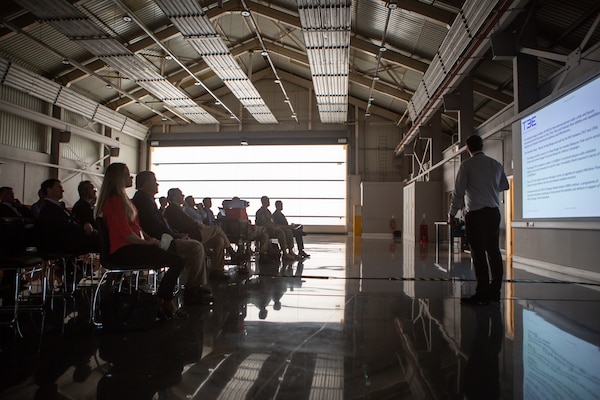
(474, 143)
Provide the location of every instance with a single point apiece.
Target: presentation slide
(560, 146)
(556, 364)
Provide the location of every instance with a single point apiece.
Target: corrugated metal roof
(414, 34)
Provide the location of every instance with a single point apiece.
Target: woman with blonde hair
(128, 243)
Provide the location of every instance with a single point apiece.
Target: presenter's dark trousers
(483, 231)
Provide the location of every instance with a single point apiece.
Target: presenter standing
(479, 181)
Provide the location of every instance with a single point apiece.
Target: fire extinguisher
(423, 231)
(393, 223)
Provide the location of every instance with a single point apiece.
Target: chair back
(104, 243)
(12, 235)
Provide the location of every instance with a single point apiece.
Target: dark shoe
(198, 296)
(243, 270)
(303, 254)
(266, 258)
(495, 298)
(218, 276)
(474, 301)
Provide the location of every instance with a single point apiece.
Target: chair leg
(95, 299)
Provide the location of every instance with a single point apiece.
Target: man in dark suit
(12, 207)
(83, 209)
(154, 224)
(59, 231)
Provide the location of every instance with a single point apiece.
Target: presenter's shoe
(474, 301)
(303, 254)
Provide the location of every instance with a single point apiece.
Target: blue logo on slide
(528, 123)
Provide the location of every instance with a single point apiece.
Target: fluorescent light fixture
(200, 33)
(326, 30)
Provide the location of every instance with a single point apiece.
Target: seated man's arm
(151, 221)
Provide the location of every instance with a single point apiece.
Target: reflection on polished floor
(360, 319)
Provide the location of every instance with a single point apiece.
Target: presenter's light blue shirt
(479, 181)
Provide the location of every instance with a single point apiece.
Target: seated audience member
(37, 206)
(154, 224)
(297, 230)
(58, 229)
(83, 209)
(209, 216)
(284, 235)
(128, 243)
(236, 209)
(164, 203)
(212, 237)
(193, 210)
(12, 207)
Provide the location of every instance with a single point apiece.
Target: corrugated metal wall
(20, 132)
(80, 149)
(129, 153)
(377, 162)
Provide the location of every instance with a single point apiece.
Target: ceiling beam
(434, 14)
(307, 84)
(380, 87)
(183, 77)
(163, 35)
(389, 55)
(97, 64)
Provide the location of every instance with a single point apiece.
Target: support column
(525, 69)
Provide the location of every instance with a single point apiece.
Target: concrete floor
(360, 319)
